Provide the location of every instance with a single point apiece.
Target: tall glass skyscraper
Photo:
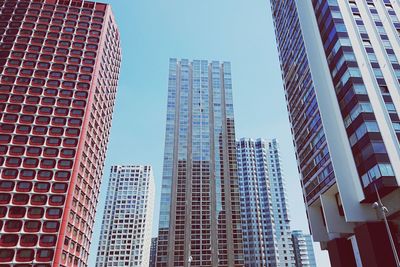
(200, 209)
(264, 204)
(59, 69)
(341, 71)
(125, 238)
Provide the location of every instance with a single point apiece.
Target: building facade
(303, 249)
(153, 252)
(340, 67)
(200, 209)
(264, 204)
(59, 63)
(125, 238)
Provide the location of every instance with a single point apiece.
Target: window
(64, 164)
(45, 111)
(20, 199)
(58, 121)
(32, 226)
(71, 75)
(58, 131)
(35, 212)
(56, 200)
(37, 140)
(376, 172)
(9, 173)
(42, 187)
(53, 213)
(61, 111)
(63, 102)
(62, 175)
(6, 255)
(74, 122)
(34, 151)
(60, 187)
(70, 142)
(38, 200)
(5, 198)
(48, 240)
(24, 186)
(28, 240)
(47, 163)
(17, 150)
(8, 240)
(13, 226)
(66, 93)
(27, 174)
(6, 185)
(45, 175)
(16, 212)
(53, 141)
(30, 162)
(67, 153)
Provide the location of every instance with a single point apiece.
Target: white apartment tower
(264, 204)
(340, 62)
(125, 237)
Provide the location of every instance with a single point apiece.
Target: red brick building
(59, 68)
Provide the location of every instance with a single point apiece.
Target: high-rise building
(125, 238)
(59, 63)
(200, 209)
(341, 72)
(264, 204)
(303, 249)
(153, 252)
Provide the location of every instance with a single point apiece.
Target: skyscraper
(200, 209)
(340, 66)
(153, 252)
(264, 204)
(59, 63)
(303, 249)
(125, 238)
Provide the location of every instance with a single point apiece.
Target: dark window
(20, 199)
(45, 175)
(38, 199)
(60, 187)
(12, 226)
(28, 240)
(35, 212)
(50, 152)
(41, 130)
(62, 175)
(72, 132)
(32, 226)
(27, 174)
(42, 187)
(34, 151)
(16, 212)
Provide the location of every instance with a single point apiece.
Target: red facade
(59, 67)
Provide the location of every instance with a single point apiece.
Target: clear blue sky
(239, 31)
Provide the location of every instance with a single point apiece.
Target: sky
(152, 31)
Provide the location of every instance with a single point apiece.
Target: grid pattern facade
(369, 150)
(308, 133)
(351, 52)
(264, 206)
(200, 209)
(59, 63)
(125, 237)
